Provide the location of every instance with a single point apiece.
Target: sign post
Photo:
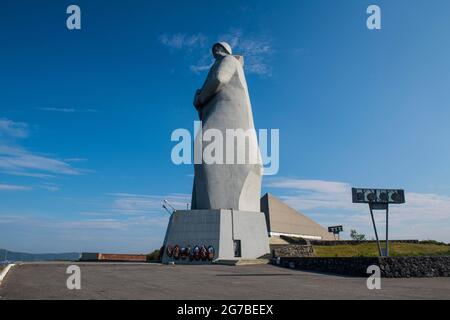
(335, 230)
(379, 199)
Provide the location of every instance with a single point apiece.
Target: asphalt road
(146, 281)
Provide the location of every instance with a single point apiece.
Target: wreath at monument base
(176, 252)
(210, 253)
(169, 251)
(203, 253)
(196, 253)
(183, 253)
(190, 253)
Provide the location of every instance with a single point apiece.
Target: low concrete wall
(391, 267)
(107, 257)
(122, 257)
(5, 271)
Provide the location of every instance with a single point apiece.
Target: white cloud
(50, 187)
(424, 207)
(28, 174)
(314, 194)
(18, 160)
(13, 129)
(203, 64)
(140, 234)
(12, 187)
(256, 51)
(126, 211)
(15, 160)
(62, 224)
(311, 185)
(112, 224)
(199, 68)
(66, 110)
(75, 160)
(183, 41)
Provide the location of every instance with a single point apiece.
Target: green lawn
(371, 250)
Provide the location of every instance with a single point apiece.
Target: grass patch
(371, 250)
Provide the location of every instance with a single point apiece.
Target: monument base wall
(220, 229)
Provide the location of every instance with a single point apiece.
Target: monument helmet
(224, 45)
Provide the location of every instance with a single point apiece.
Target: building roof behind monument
(283, 220)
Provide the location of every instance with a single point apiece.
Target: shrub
(356, 236)
(154, 256)
(433, 242)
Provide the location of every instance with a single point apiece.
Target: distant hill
(21, 256)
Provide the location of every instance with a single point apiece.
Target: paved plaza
(153, 281)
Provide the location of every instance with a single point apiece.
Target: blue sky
(86, 115)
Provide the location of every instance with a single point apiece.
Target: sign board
(335, 229)
(379, 199)
(386, 196)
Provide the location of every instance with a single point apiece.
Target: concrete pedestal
(220, 229)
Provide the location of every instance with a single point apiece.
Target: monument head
(221, 49)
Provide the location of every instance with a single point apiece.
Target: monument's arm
(219, 77)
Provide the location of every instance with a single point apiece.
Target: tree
(154, 256)
(356, 236)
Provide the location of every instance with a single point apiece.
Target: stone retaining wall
(292, 250)
(391, 267)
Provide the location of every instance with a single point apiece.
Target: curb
(242, 262)
(5, 272)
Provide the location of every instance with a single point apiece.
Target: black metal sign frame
(379, 199)
(335, 230)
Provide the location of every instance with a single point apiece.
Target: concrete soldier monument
(225, 211)
(223, 104)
